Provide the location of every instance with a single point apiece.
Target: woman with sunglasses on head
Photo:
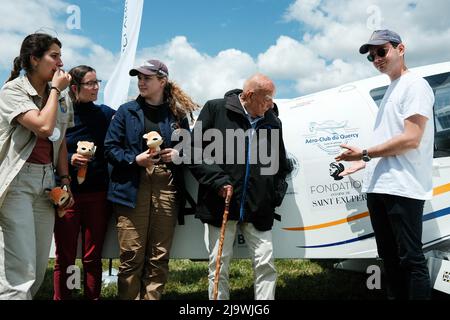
(91, 211)
(147, 205)
(33, 119)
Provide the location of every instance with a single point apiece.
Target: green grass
(297, 279)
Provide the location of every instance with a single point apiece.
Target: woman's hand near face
(61, 79)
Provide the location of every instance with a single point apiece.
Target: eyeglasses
(381, 52)
(91, 84)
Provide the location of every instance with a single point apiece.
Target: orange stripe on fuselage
(442, 189)
(436, 191)
(330, 224)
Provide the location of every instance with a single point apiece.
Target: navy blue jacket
(124, 141)
(91, 123)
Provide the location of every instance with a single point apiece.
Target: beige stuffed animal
(87, 149)
(154, 141)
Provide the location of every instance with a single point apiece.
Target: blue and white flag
(116, 90)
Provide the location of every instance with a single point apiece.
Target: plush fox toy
(87, 149)
(154, 140)
(60, 197)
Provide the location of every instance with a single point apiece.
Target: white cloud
(9, 49)
(336, 29)
(81, 50)
(289, 59)
(324, 54)
(25, 17)
(307, 11)
(334, 74)
(202, 76)
(22, 16)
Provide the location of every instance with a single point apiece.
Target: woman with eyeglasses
(33, 120)
(147, 205)
(91, 211)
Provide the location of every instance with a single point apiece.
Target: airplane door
(437, 212)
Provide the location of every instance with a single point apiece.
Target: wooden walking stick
(222, 237)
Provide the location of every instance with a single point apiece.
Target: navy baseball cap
(151, 67)
(380, 37)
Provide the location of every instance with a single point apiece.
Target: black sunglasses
(381, 52)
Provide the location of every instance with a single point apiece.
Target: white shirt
(410, 174)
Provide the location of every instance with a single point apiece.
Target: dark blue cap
(380, 37)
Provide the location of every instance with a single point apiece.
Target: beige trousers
(145, 237)
(26, 227)
(261, 252)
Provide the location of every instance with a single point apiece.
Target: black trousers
(397, 223)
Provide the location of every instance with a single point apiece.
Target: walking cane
(222, 237)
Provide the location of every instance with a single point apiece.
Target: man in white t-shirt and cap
(398, 167)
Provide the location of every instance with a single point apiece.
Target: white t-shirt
(410, 174)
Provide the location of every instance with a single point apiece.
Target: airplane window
(378, 94)
(441, 87)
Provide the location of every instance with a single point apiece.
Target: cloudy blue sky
(211, 46)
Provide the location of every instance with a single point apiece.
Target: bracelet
(66, 176)
(57, 90)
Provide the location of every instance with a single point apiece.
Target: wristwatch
(365, 156)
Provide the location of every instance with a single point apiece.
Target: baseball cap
(151, 67)
(380, 37)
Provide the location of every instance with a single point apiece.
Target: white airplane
(323, 217)
(327, 218)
